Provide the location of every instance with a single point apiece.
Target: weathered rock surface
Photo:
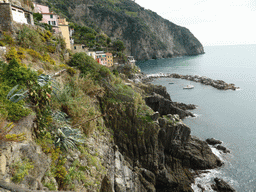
(165, 106)
(212, 141)
(146, 35)
(222, 186)
(223, 149)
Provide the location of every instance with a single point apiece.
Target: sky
(213, 22)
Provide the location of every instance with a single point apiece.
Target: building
(12, 13)
(80, 48)
(48, 17)
(63, 27)
(101, 58)
(92, 54)
(130, 59)
(110, 62)
(59, 25)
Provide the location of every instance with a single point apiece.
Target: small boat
(189, 87)
(171, 83)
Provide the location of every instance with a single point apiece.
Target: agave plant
(16, 95)
(68, 138)
(60, 118)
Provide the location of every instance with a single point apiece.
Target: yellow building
(109, 59)
(63, 27)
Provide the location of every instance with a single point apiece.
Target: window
(49, 22)
(51, 16)
(53, 23)
(74, 47)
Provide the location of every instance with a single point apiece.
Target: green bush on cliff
(20, 169)
(14, 74)
(29, 38)
(87, 65)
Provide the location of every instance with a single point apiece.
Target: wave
(205, 179)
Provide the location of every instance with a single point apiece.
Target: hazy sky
(213, 22)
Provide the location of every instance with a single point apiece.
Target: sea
(226, 115)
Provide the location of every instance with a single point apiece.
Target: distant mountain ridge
(145, 34)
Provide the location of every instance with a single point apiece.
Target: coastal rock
(222, 186)
(158, 89)
(223, 149)
(218, 84)
(165, 106)
(155, 116)
(212, 141)
(184, 106)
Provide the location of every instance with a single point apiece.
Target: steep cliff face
(146, 34)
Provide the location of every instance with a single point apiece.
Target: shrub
(47, 58)
(29, 38)
(71, 70)
(85, 63)
(37, 17)
(51, 49)
(5, 129)
(21, 53)
(34, 54)
(20, 169)
(2, 43)
(8, 38)
(12, 54)
(15, 74)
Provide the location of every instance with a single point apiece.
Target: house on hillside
(110, 62)
(63, 27)
(59, 25)
(80, 48)
(12, 13)
(101, 58)
(48, 17)
(92, 54)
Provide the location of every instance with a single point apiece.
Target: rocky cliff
(146, 34)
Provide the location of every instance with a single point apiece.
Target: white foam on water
(160, 74)
(205, 180)
(217, 153)
(196, 115)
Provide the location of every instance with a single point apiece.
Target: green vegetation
(21, 169)
(67, 110)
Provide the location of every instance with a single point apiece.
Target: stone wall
(5, 17)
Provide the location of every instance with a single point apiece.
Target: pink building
(48, 17)
(101, 58)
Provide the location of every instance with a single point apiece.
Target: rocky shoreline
(218, 84)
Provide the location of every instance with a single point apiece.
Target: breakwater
(218, 84)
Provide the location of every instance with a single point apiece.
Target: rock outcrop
(165, 106)
(212, 141)
(221, 186)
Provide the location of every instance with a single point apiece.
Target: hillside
(71, 124)
(145, 34)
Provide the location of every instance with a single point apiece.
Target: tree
(118, 45)
(37, 17)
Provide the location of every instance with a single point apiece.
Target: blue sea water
(229, 116)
